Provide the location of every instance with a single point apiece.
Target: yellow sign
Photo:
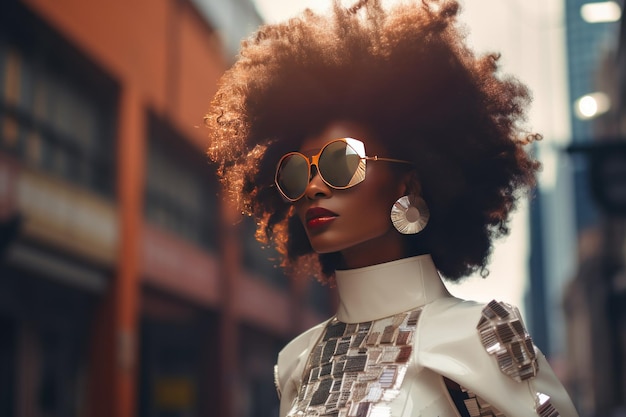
(174, 393)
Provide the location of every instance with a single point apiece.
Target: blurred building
(126, 288)
(563, 210)
(595, 297)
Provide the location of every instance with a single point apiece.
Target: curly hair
(407, 74)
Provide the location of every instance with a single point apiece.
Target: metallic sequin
(334, 330)
(477, 407)
(403, 337)
(277, 382)
(390, 355)
(544, 406)
(356, 370)
(413, 317)
(351, 328)
(358, 340)
(388, 335)
(342, 347)
(388, 377)
(404, 355)
(503, 335)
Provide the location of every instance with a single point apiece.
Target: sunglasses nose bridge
(314, 161)
(317, 186)
(314, 168)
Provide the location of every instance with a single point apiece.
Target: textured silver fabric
(503, 335)
(357, 369)
(477, 407)
(545, 407)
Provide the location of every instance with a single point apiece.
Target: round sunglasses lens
(293, 175)
(341, 166)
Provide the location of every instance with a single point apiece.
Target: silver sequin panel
(504, 336)
(357, 369)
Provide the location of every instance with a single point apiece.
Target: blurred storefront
(127, 288)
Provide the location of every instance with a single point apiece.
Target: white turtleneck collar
(382, 290)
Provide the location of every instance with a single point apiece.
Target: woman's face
(354, 221)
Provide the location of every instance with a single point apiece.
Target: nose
(317, 188)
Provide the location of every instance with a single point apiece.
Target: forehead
(343, 129)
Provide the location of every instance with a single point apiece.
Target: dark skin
(358, 223)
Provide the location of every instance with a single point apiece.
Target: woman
(379, 153)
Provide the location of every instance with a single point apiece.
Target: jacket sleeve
(487, 351)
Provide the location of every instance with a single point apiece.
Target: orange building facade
(127, 286)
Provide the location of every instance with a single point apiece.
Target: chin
(329, 243)
(323, 249)
(325, 244)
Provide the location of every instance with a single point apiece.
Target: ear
(410, 184)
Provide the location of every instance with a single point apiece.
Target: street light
(601, 12)
(592, 105)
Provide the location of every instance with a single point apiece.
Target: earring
(410, 214)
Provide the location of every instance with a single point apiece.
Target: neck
(390, 247)
(386, 289)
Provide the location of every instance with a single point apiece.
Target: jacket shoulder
(486, 349)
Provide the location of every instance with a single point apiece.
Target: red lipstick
(317, 217)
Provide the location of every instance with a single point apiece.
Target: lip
(317, 217)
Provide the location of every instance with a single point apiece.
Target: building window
(54, 116)
(181, 191)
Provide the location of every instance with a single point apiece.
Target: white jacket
(413, 337)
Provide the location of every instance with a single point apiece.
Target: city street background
(129, 288)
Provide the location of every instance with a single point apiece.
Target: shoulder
(448, 321)
(452, 320)
(493, 332)
(487, 350)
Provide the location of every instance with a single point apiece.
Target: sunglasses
(340, 164)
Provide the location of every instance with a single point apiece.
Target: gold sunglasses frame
(314, 160)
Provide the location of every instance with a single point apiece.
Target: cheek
(377, 212)
(380, 198)
(370, 212)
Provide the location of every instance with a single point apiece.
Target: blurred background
(129, 288)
